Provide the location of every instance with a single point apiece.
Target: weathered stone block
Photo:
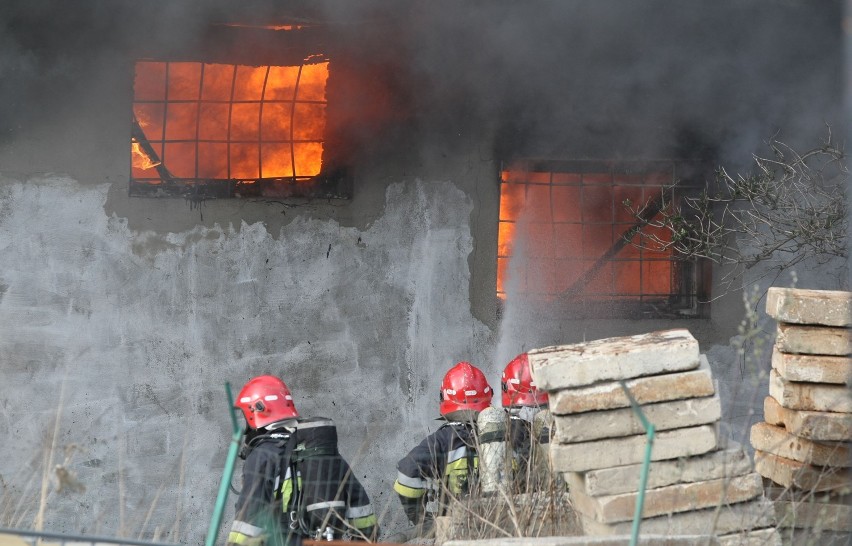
(579, 364)
(623, 479)
(790, 473)
(671, 499)
(803, 306)
(810, 396)
(814, 340)
(813, 368)
(669, 444)
(812, 537)
(755, 537)
(775, 492)
(724, 519)
(593, 425)
(814, 515)
(646, 390)
(813, 425)
(776, 440)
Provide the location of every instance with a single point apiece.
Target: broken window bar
(198, 117)
(138, 135)
(230, 116)
(293, 120)
(655, 206)
(260, 124)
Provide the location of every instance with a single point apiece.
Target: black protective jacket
(296, 484)
(443, 465)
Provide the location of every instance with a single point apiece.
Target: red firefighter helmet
(518, 386)
(465, 388)
(264, 400)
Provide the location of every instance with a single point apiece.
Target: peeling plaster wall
(131, 348)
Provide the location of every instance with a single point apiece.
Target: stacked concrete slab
(696, 484)
(805, 444)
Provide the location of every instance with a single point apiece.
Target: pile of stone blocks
(697, 484)
(804, 447)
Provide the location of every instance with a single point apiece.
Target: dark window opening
(230, 130)
(566, 238)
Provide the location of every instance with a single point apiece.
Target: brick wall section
(804, 447)
(598, 444)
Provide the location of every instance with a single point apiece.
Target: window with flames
(567, 236)
(227, 130)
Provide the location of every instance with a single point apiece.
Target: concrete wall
(121, 319)
(130, 336)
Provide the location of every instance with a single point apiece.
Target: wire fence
(21, 537)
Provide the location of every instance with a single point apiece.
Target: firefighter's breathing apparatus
(318, 439)
(318, 445)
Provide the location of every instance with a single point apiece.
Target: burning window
(227, 130)
(565, 236)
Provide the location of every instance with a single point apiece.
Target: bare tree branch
(792, 208)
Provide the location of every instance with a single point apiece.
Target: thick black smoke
(547, 78)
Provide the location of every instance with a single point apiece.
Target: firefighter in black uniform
(295, 482)
(528, 427)
(444, 464)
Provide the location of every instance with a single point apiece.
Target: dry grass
(533, 503)
(47, 482)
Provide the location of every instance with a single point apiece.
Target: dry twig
(791, 209)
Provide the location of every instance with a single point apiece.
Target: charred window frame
(206, 130)
(567, 240)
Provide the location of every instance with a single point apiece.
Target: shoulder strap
(285, 461)
(287, 454)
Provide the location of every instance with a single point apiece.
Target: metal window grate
(198, 123)
(564, 234)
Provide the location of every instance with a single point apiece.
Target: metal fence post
(230, 462)
(643, 477)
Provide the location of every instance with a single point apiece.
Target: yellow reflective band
(237, 538)
(363, 523)
(409, 492)
(457, 475)
(286, 493)
(287, 490)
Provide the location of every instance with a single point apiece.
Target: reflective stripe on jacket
(447, 456)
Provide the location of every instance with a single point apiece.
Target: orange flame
(266, 27)
(221, 121)
(140, 158)
(563, 224)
